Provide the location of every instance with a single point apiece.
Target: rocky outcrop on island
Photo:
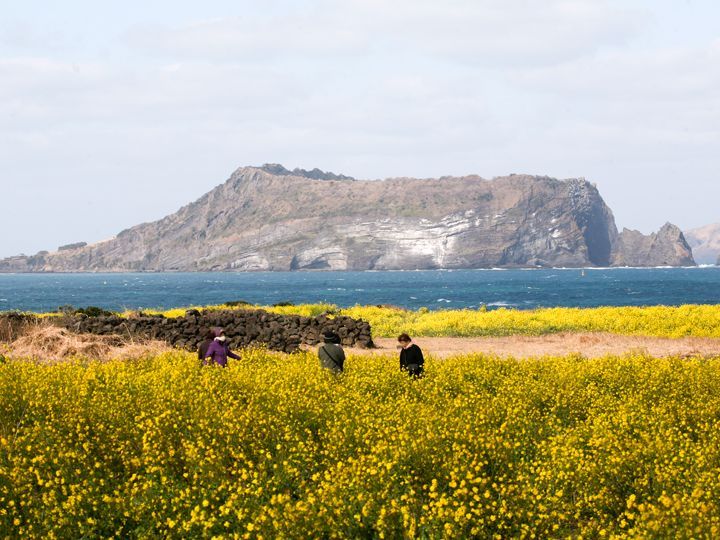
(270, 218)
(667, 247)
(705, 243)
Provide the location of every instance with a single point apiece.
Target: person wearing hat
(411, 356)
(219, 351)
(331, 354)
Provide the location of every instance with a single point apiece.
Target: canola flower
(306, 310)
(275, 447)
(657, 321)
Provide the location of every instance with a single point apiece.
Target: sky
(117, 113)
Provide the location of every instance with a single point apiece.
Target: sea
(433, 289)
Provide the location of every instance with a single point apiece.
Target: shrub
(93, 311)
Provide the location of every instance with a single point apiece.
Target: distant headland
(271, 218)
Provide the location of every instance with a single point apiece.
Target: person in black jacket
(331, 354)
(411, 357)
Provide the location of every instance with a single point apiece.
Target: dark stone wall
(242, 328)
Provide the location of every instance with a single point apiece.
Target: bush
(89, 311)
(93, 311)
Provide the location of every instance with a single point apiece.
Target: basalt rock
(270, 218)
(667, 247)
(243, 328)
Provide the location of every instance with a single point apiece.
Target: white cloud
(655, 104)
(367, 88)
(501, 32)
(239, 39)
(676, 74)
(23, 36)
(487, 32)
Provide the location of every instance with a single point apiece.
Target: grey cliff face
(269, 218)
(667, 247)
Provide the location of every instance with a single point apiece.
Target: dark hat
(331, 337)
(217, 331)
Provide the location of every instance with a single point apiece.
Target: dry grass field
(591, 345)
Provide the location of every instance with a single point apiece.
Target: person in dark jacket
(331, 354)
(219, 351)
(411, 357)
(203, 347)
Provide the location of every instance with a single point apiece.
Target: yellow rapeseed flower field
(657, 321)
(274, 447)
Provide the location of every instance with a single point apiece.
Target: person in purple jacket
(218, 351)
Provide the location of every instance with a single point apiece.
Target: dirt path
(588, 344)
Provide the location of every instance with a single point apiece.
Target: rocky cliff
(705, 243)
(667, 247)
(270, 218)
